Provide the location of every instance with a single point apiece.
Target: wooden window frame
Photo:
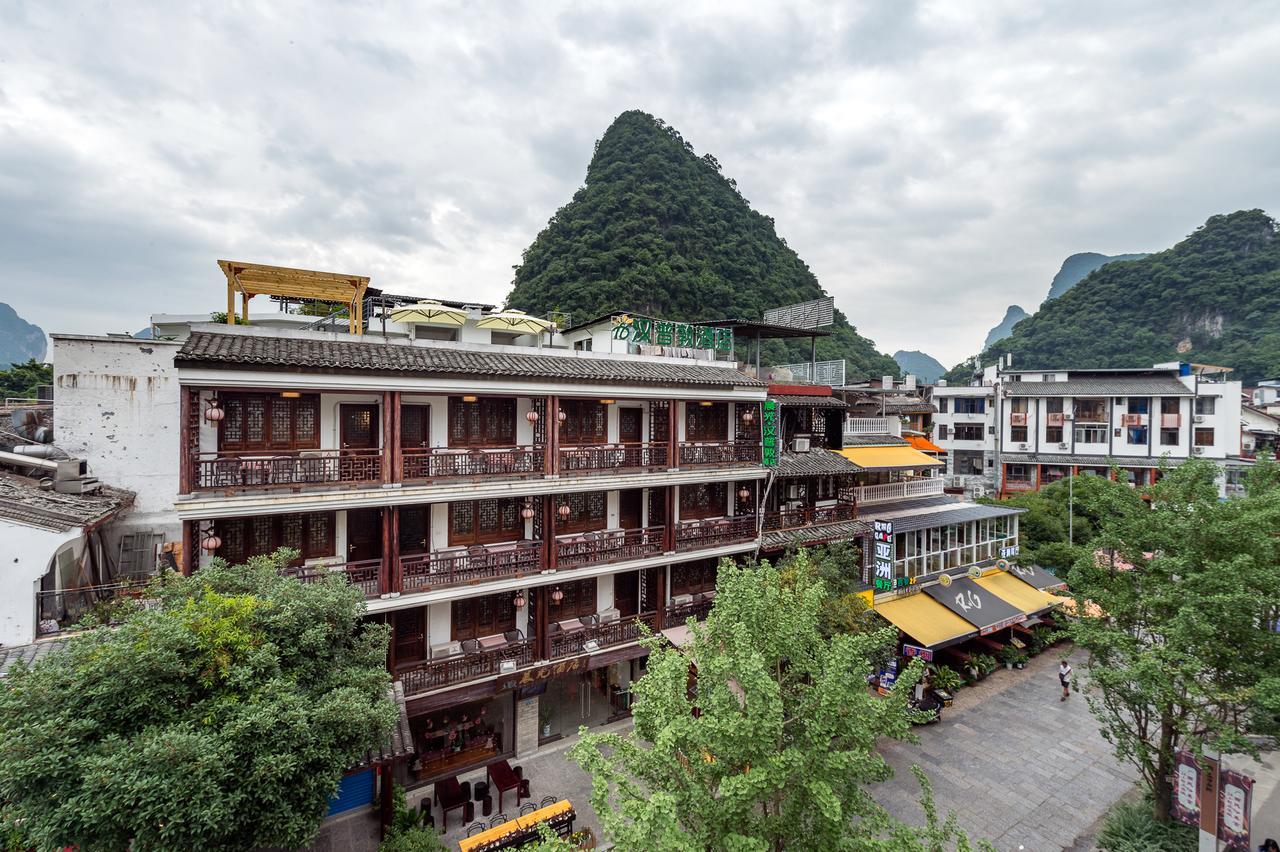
(503, 616)
(582, 514)
(692, 578)
(236, 404)
(706, 422)
(467, 421)
(580, 599)
(227, 530)
(715, 505)
(586, 423)
(460, 539)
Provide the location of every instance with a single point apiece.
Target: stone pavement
(1019, 767)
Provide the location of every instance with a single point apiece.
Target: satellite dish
(944, 580)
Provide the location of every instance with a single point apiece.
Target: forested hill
(1213, 298)
(658, 230)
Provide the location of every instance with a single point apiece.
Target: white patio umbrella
(430, 311)
(512, 320)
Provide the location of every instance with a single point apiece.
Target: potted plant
(544, 718)
(984, 663)
(946, 681)
(1007, 656)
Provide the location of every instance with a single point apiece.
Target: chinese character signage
(643, 330)
(1186, 788)
(882, 558)
(916, 651)
(769, 434)
(1234, 794)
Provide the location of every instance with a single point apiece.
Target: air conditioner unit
(1024, 446)
(1063, 445)
(1198, 450)
(1198, 418)
(1068, 417)
(801, 445)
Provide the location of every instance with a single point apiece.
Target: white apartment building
(1033, 427)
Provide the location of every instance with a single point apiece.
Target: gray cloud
(932, 162)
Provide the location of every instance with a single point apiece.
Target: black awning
(981, 608)
(1034, 575)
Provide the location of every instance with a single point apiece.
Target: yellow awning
(889, 458)
(1024, 596)
(925, 620)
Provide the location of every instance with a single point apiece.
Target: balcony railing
(365, 574)
(460, 668)
(426, 571)
(807, 516)
(1019, 485)
(872, 426)
(264, 469)
(613, 457)
(696, 609)
(605, 546)
(444, 462)
(698, 535)
(719, 452)
(570, 643)
(887, 492)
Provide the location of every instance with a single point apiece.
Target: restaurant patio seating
(527, 808)
(470, 646)
(498, 819)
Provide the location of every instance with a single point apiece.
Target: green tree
(220, 717)
(1044, 528)
(839, 566)
(21, 380)
(1180, 655)
(770, 746)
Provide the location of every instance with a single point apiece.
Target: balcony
(887, 492)
(696, 608)
(872, 426)
(460, 668)
(701, 535)
(285, 468)
(571, 640)
(786, 519)
(719, 453)
(446, 462)
(612, 457)
(365, 574)
(424, 572)
(607, 546)
(1019, 485)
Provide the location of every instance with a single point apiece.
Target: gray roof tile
(24, 501)
(1103, 386)
(814, 463)
(212, 349)
(819, 534)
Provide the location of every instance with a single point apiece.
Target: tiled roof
(814, 463)
(24, 501)
(803, 401)
(885, 440)
(1103, 386)
(204, 348)
(840, 531)
(27, 653)
(1091, 461)
(939, 516)
(399, 743)
(878, 404)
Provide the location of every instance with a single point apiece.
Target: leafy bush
(1013, 656)
(985, 663)
(1131, 827)
(947, 678)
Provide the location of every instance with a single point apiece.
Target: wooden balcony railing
(1019, 485)
(600, 548)
(265, 469)
(570, 643)
(719, 452)
(697, 609)
(422, 572)
(697, 535)
(364, 574)
(613, 457)
(785, 519)
(442, 462)
(460, 668)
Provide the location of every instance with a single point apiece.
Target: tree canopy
(221, 716)
(759, 734)
(1213, 298)
(659, 230)
(22, 380)
(1182, 646)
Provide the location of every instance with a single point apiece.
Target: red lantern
(556, 595)
(564, 510)
(561, 416)
(211, 542)
(748, 416)
(744, 493)
(531, 416)
(519, 600)
(213, 413)
(527, 511)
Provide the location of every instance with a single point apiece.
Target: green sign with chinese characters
(665, 333)
(769, 434)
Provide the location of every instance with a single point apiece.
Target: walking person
(1064, 677)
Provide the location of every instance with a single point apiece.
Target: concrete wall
(117, 404)
(28, 553)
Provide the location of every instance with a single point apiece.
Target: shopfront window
(457, 738)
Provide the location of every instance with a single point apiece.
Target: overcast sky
(932, 162)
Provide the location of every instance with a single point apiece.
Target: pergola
(253, 279)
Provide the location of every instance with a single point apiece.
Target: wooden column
(386, 808)
(231, 302)
(669, 520)
(542, 642)
(244, 305)
(553, 435)
(388, 545)
(190, 547)
(673, 432)
(392, 559)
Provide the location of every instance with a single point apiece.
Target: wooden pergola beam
(254, 279)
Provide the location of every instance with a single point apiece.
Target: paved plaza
(1019, 767)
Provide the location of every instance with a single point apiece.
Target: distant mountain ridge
(659, 230)
(20, 340)
(1214, 298)
(922, 366)
(1014, 315)
(1077, 266)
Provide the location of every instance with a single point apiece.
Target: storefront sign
(642, 330)
(1009, 552)
(550, 670)
(1235, 793)
(916, 651)
(882, 559)
(769, 434)
(1208, 796)
(976, 605)
(1186, 788)
(888, 677)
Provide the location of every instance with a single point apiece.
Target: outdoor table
(504, 779)
(449, 796)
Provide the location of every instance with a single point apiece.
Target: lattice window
(706, 422)
(306, 421)
(587, 511)
(488, 422)
(487, 615)
(267, 421)
(693, 577)
(291, 532)
(485, 521)
(539, 405)
(255, 421)
(585, 422)
(703, 500)
(461, 521)
(579, 600)
(659, 419)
